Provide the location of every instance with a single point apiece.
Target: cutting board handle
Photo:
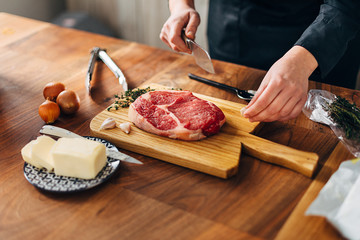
(299, 161)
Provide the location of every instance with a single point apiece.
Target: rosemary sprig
(346, 116)
(126, 98)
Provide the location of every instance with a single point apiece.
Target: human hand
(182, 16)
(283, 91)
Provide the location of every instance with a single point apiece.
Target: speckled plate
(49, 181)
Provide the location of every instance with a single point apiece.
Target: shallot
(52, 90)
(49, 111)
(69, 101)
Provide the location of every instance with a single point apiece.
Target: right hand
(183, 16)
(283, 91)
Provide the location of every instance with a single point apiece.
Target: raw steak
(176, 114)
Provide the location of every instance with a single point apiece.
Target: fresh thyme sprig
(346, 116)
(129, 96)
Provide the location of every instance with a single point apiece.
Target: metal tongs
(242, 94)
(98, 53)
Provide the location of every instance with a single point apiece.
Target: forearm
(180, 4)
(303, 58)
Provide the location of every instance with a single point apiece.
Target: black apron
(256, 33)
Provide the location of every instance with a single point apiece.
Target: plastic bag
(315, 109)
(338, 200)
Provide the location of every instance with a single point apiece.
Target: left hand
(283, 91)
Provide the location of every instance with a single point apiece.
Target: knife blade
(202, 57)
(242, 94)
(61, 132)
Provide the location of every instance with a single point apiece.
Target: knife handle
(58, 132)
(268, 151)
(213, 83)
(186, 39)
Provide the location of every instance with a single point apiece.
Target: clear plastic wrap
(316, 109)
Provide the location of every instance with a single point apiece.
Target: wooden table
(156, 200)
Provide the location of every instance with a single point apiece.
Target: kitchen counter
(156, 200)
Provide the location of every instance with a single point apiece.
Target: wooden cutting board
(217, 155)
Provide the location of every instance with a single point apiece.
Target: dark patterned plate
(48, 181)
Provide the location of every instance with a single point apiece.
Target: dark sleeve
(328, 36)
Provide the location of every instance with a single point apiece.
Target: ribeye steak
(176, 114)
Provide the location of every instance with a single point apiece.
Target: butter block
(40, 152)
(78, 157)
(26, 154)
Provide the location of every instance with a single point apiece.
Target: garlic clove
(108, 124)
(125, 127)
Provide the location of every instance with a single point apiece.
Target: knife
(242, 94)
(101, 53)
(202, 57)
(61, 132)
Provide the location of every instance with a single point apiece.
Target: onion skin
(68, 101)
(52, 90)
(49, 111)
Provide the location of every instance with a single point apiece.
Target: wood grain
(218, 155)
(312, 227)
(14, 30)
(297, 160)
(156, 200)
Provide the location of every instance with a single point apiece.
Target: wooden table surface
(156, 200)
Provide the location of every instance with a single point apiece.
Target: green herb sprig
(126, 98)
(347, 117)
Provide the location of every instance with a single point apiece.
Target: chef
(293, 40)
